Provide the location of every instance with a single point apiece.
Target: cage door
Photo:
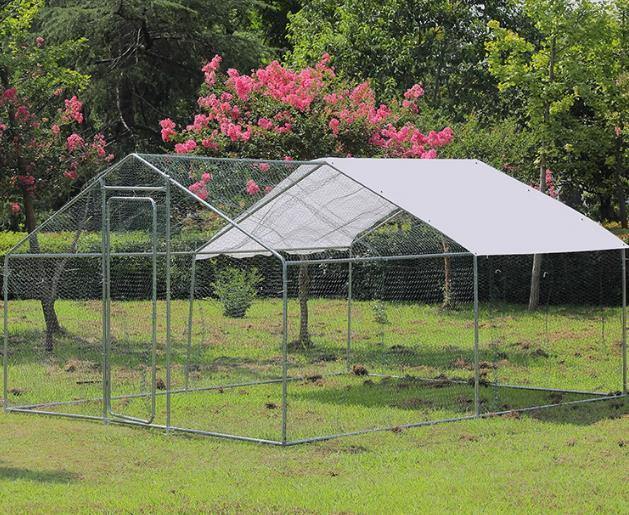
(130, 326)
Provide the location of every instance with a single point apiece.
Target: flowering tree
(278, 113)
(44, 149)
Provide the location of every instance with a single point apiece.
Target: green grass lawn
(568, 459)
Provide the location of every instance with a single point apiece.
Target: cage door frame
(107, 383)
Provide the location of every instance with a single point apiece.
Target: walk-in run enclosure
(285, 302)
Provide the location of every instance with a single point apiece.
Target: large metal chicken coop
(284, 302)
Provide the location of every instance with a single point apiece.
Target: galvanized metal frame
(107, 285)
(105, 255)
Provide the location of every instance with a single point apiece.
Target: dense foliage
(486, 69)
(144, 56)
(395, 43)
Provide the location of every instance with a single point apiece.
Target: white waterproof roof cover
(484, 210)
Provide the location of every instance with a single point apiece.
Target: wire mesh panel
(568, 347)
(52, 370)
(284, 302)
(386, 358)
(53, 326)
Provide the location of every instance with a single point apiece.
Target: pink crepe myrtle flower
(74, 142)
(200, 122)
(55, 129)
(284, 129)
(264, 167)
(40, 42)
(206, 177)
(408, 104)
(99, 144)
(15, 208)
(199, 188)
(73, 110)
(209, 143)
(234, 131)
(8, 95)
(71, 174)
(332, 98)
(22, 113)
(252, 187)
(265, 123)
(414, 92)
(550, 184)
(209, 70)
(168, 129)
(186, 147)
(334, 126)
(287, 158)
(267, 189)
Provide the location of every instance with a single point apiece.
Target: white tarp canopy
(482, 209)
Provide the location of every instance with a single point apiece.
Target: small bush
(236, 289)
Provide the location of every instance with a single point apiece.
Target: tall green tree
(144, 56)
(398, 42)
(555, 75)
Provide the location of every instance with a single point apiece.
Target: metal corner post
(105, 297)
(5, 351)
(348, 356)
(284, 351)
(168, 321)
(623, 256)
(476, 360)
(193, 274)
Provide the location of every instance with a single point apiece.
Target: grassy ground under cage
(568, 459)
(413, 364)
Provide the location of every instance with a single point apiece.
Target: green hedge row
(584, 278)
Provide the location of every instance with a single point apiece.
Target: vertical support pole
(5, 350)
(624, 320)
(284, 350)
(476, 360)
(193, 274)
(153, 309)
(168, 328)
(348, 356)
(105, 297)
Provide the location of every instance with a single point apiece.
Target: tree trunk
(536, 272)
(620, 187)
(304, 290)
(47, 301)
(536, 275)
(448, 299)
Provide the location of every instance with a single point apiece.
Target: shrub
(236, 289)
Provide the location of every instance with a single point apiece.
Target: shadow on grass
(444, 357)
(434, 399)
(39, 476)
(584, 414)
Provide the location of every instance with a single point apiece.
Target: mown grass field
(566, 459)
